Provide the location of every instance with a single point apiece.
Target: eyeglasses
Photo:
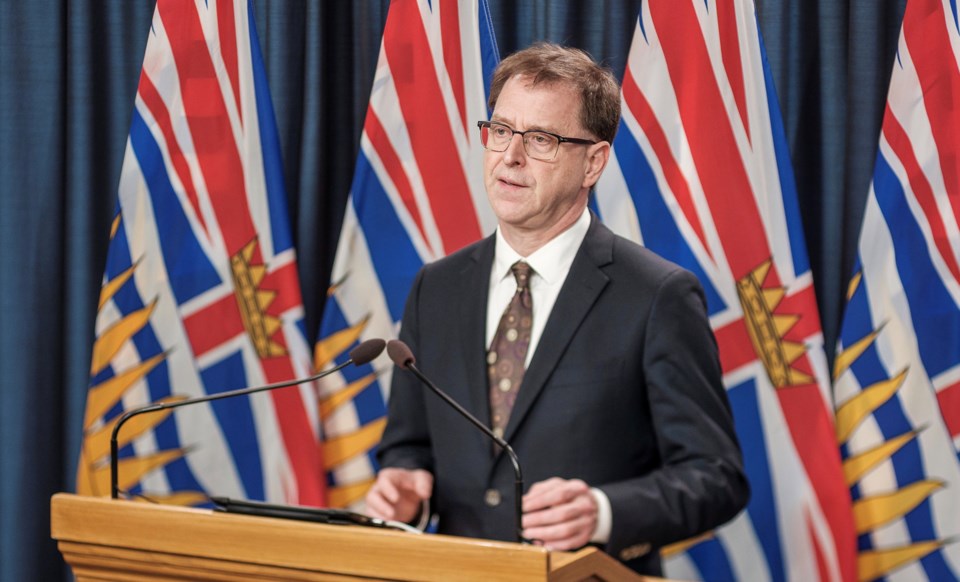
(539, 145)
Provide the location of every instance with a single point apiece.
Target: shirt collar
(552, 261)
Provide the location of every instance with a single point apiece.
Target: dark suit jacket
(623, 392)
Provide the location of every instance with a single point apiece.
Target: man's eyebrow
(498, 119)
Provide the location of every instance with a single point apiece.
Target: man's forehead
(544, 114)
(529, 81)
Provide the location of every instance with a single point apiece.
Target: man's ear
(597, 157)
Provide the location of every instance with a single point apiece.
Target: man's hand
(398, 494)
(560, 513)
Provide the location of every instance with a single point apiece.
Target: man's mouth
(511, 183)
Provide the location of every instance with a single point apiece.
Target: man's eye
(540, 139)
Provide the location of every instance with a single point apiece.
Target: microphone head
(367, 351)
(400, 354)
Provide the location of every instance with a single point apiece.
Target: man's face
(535, 196)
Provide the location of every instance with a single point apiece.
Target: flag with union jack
(417, 195)
(701, 175)
(897, 374)
(200, 293)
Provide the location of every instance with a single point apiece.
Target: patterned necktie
(508, 351)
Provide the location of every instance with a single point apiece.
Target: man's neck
(527, 242)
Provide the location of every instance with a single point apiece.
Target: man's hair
(551, 63)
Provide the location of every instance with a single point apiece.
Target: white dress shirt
(550, 266)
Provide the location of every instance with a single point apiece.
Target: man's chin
(510, 211)
(512, 197)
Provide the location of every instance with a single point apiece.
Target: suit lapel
(583, 285)
(474, 288)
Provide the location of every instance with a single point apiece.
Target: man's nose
(515, 152)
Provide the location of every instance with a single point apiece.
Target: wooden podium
(104, 539)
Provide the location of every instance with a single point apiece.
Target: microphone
(360, 355)
(403, 358)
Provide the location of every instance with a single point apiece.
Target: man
(592, 356)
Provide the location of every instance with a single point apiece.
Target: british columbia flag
(898, 365)
(200, 293)
(701, 175)
(417, 195)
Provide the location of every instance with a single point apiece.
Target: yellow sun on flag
(343, 448)
(93, 471)
(874, 511)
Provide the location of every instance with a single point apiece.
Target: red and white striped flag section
(417, 195)
(898, 366)
(200, 293)
(701, 175)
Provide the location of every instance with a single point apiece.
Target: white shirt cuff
(424, 519)
(601, 534)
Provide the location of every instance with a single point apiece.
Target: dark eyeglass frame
(481, 125)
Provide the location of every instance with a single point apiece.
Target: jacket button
(634, 552)
(491, 497)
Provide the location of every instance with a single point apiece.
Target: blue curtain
(68, 75)
(831, 62)
(68, 72)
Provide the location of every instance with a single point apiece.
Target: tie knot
(521, 272)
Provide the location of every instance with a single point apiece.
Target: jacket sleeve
(406, 440)
(700, 483)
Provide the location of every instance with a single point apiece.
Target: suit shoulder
(456, 262)
(640, 260)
